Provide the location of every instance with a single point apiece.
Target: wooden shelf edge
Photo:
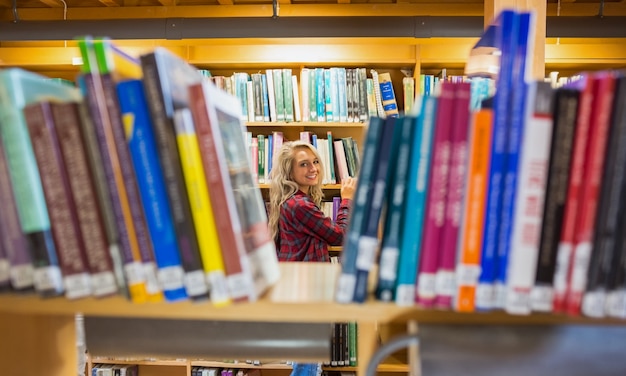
(308, 124)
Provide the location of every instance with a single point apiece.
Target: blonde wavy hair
(282, 185)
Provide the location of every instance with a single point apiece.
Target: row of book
(340, 157)
(111, 186)
(115, 370)
(343, 345)
(513, 206)
(336, 94)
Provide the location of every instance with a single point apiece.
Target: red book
(437, 197)
(603, 93)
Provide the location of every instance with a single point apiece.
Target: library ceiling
(15, 10)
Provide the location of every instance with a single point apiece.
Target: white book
(296, 98)
(531, 182)
(269, 78)
(304, 89)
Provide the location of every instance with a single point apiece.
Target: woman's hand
(348, 187)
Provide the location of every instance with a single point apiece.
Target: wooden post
(367, 334)
(493, 7)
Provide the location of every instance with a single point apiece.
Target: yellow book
(201, 210)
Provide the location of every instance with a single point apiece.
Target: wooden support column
(367, 334)
(493, 7)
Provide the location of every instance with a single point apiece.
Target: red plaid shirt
(304, 231)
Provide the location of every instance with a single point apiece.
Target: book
(446, 276)
(503, 36)
(387, 95)
(151, 184)
(574, 183)
(19, 88)
(359, 250)
(14, 243)
(473, 215)
(69, 243)
(201, 207)
(530, 192)
(564, 118)
(591, 183)
(66, 119)
(605, 258)
(165, 81)
(235, 192)
(396, 169)
(369, 241)
(415, 207)
(437, 198)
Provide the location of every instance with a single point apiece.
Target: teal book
(19, 88)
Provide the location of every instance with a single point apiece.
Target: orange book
(468, 267)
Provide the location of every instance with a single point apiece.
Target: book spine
(288, 94)
(305, 83)
(13, 240)
(62, 209)
(485, 294)
(369, 239)
(151, 184)
(526, 223)
(144, 252)
(271, 94)
(437, 193)
(201, 208)
(387, 95)
(572, 201)
(195, 283)
(279, 93)
(229, 227)
(471, 228)
(591, 183)
(446, 277)
(320, 84)
(133, 270)
(412, 232)
(353, 343)
(605, 257)
(564, 117)
(400, 154)
(67, 123)
(358, 250)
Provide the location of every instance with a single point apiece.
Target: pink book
(437, 195)
(446, 281)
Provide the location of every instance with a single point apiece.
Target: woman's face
(305, 169)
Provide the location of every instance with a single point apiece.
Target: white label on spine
(22, 276)
(152, 282)
(579, 268)
(405, 295)
(103, 283)
(485, 296)
(218, 288)
(48, 278)
(593, 304)
(541, 298)
(77, 285)
(445, 283)
(239, 285)
(134, 273)
(389, 263)
(426, 285)
(171, 277)
(467, 275)
(195, 284)
(4, 270)
(345, 288)
(367, 252)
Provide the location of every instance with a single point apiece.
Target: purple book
(446, 285)
(336, 204)
(437, 196)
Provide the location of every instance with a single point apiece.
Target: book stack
(113, 185)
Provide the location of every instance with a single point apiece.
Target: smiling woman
(301, 230)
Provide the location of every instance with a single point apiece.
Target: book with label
(234, 191)
(201, 206)
(165, 79)
(66, 119)
(564, 117)
(359, 250)
(14, 243)
(415, 207)
(157, 211)
(68, 239)
(19, 88)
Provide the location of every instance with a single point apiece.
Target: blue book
(151, 183)
(265, 95)
(515, 136)
(351, 256)
(387, 142)
(415, 207)
(504, 32)
(395, 203)
(320, 83)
